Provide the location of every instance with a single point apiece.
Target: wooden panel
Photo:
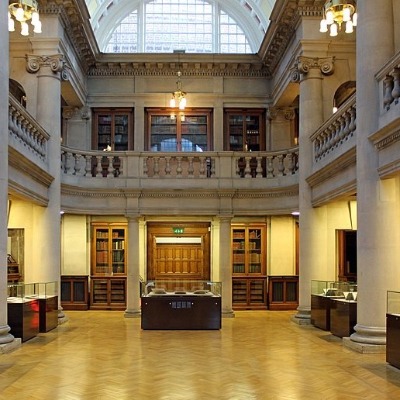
(176, 260)
(393, 340)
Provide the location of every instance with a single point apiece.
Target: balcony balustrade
(336, 131)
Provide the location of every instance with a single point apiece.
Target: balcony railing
(25, 133)
(338, 129)
(390, 77)
(165, 165)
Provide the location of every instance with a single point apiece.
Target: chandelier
(336, 13)
(23, 11)
(178, 97)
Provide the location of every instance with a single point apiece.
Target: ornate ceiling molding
(284, 20)
(75, 18)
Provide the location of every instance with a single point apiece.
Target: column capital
(55, 62)
(287, 113)
(304, 65)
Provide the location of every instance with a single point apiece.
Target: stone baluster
(281, 166)
(388, 87)
(270, 167)
(168, 167)
(259, 169)
(396, 85)
(190, 167)
(88, 165)
(156, 167)
(247, 169)
(202, 168)
(179, 169)
(99, 167)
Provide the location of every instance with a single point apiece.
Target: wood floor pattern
(258, 355)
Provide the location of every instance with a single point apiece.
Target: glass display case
(181, 304)
(393, 328)
(22, 311)
(346, 290)
(180, 288)
(46, 296)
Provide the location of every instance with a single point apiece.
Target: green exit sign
(178, 230)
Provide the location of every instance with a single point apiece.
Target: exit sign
(178, 230)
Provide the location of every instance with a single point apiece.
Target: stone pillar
(49, 71)
(378, 211)
(312, 221)
(133, 268)
(225, 265)
(7, 341)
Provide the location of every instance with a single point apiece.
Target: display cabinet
(188, 130)
(109, 249)
(343, 315)
(22, 311)
(113, 128)
(181, 304)
(75, 292)
(283, 292)
(245, 129)
(249, 266)
(108, 293)
(322, 294)
(393, 328)
(47, 295)
(13, 273)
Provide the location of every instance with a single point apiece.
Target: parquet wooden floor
(259, 355)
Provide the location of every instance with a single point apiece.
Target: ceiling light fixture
(178, 97)
(336, 13)
(23, 11)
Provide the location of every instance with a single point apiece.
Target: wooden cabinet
(181, 312)
(109, 255)
(343, 317)
(249, 266)
(114, 128)
(108, 293)
(188, 130)
(283, 292)
(75, 292)
(244, 129)
(393, 339)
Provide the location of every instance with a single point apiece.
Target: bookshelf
(108, 269)
(249, 266)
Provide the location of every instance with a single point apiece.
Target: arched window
(162, 26)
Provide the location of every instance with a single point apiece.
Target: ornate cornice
(388, 140)
(199, 68)
(75, 18)
(284, 20)
(346, 160)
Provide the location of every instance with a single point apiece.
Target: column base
(228, 314)
(364, 347)
(132, 313)
(11, 346)
(367, 339)
(303, 316)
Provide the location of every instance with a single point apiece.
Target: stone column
(378, 211)
(49, 71)
(133, 268)
(7, 341)
(312, 221)
(225, 265)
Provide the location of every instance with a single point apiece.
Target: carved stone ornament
(305, 64)
(55, 62)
